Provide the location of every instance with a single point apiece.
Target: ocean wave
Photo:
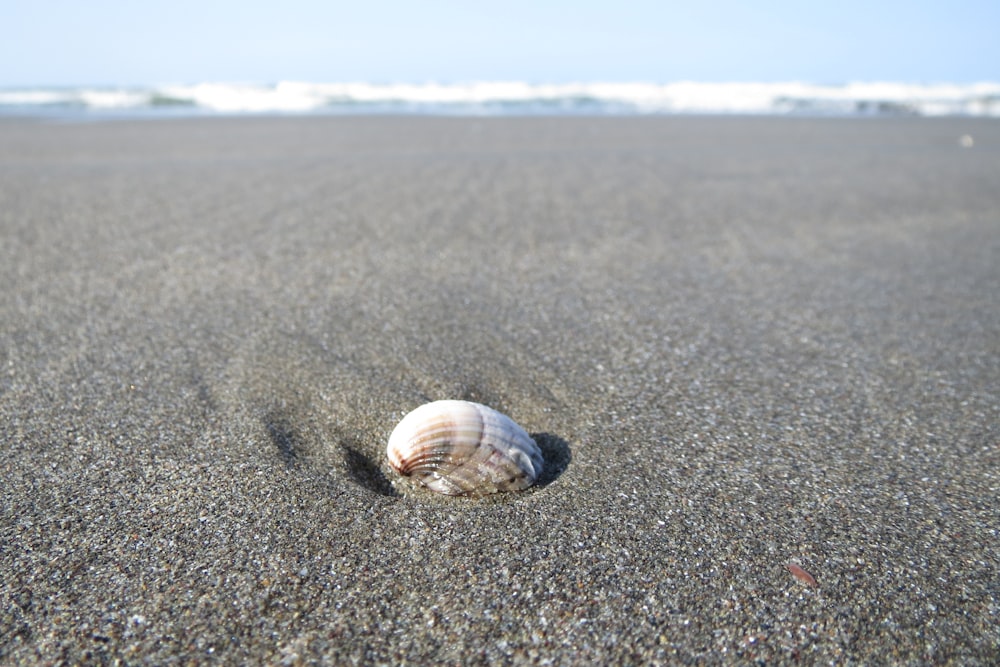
(514, 97)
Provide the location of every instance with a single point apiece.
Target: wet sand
(743, 344)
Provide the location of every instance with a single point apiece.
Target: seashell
(461, 448)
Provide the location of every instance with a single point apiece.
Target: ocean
(509, 98)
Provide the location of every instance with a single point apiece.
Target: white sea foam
(516, 97)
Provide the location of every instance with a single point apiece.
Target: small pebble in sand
(461, 448)
(801, 575)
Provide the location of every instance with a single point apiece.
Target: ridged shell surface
(462, 448)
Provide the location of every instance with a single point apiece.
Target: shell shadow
(557, 455)
(365, 472)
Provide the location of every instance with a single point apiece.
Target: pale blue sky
(107, 42)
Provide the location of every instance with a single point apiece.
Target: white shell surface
(464, 448)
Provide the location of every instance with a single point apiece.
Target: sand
(743, 343)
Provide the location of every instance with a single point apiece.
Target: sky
(118, 43)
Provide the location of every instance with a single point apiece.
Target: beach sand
(743, 344)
